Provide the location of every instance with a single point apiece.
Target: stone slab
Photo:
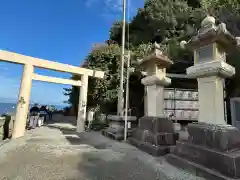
(119, 130)
(154, 135)
(115, 135)
(196, 169)
(154, 138)
(117, 124)
(226, 163)
(219, 137)
(121, 118)
(156, 124)
(149, 148)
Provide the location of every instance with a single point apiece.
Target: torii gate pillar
(23, 101)
(82, 105)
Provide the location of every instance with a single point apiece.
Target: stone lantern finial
(208, 21)
(155, 61)
(183, 44)
(156, 45)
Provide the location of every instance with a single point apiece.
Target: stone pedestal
(154, 101)
(212, 151)
(154, 135)
(116, 127)
(213, 104)
(210, 77)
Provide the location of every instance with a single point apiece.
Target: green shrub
(100, 122)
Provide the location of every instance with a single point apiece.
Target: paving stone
(57, 153)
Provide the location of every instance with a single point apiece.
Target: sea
(11, 108)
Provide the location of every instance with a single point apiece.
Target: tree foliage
(227, 11)
(104, 57)
(166, 22)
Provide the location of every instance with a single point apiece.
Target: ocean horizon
(11, 107)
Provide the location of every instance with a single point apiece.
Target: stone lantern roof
(156, 56)
(210, 33)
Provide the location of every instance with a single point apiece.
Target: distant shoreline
(10, 108)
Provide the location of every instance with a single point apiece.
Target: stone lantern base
(117, 125)
(154, 135)
(212, 151)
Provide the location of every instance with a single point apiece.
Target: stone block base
(213, 150)
(149, 148)
(154, 135)
(119, 136)
(116, 127)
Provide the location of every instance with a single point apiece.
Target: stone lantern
(213, 146)
(154, 133)
(155, 65)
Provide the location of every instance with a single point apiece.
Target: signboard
(181, 104)
(235, 111)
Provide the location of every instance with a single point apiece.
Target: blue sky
(58, 30)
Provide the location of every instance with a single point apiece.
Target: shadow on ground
(115, 166)
(75, 138)
(56, 152)
(107, 159)
(59, 118)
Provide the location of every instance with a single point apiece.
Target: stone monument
(235, 113)
(154, 133)
(213, 147)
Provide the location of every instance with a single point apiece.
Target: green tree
(227, 11)
(160, 21)
(166, 22)
(104, 57)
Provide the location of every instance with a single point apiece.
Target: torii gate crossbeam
(50, 79)
(26, 84)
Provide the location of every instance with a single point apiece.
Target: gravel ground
(57, 153)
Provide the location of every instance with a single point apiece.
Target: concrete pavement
(57, 153)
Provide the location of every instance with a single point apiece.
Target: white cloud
(114, 5)
(113, 8)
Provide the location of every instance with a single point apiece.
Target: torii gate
(29, 75)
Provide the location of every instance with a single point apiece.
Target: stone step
(195, 169)
(115, 136)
